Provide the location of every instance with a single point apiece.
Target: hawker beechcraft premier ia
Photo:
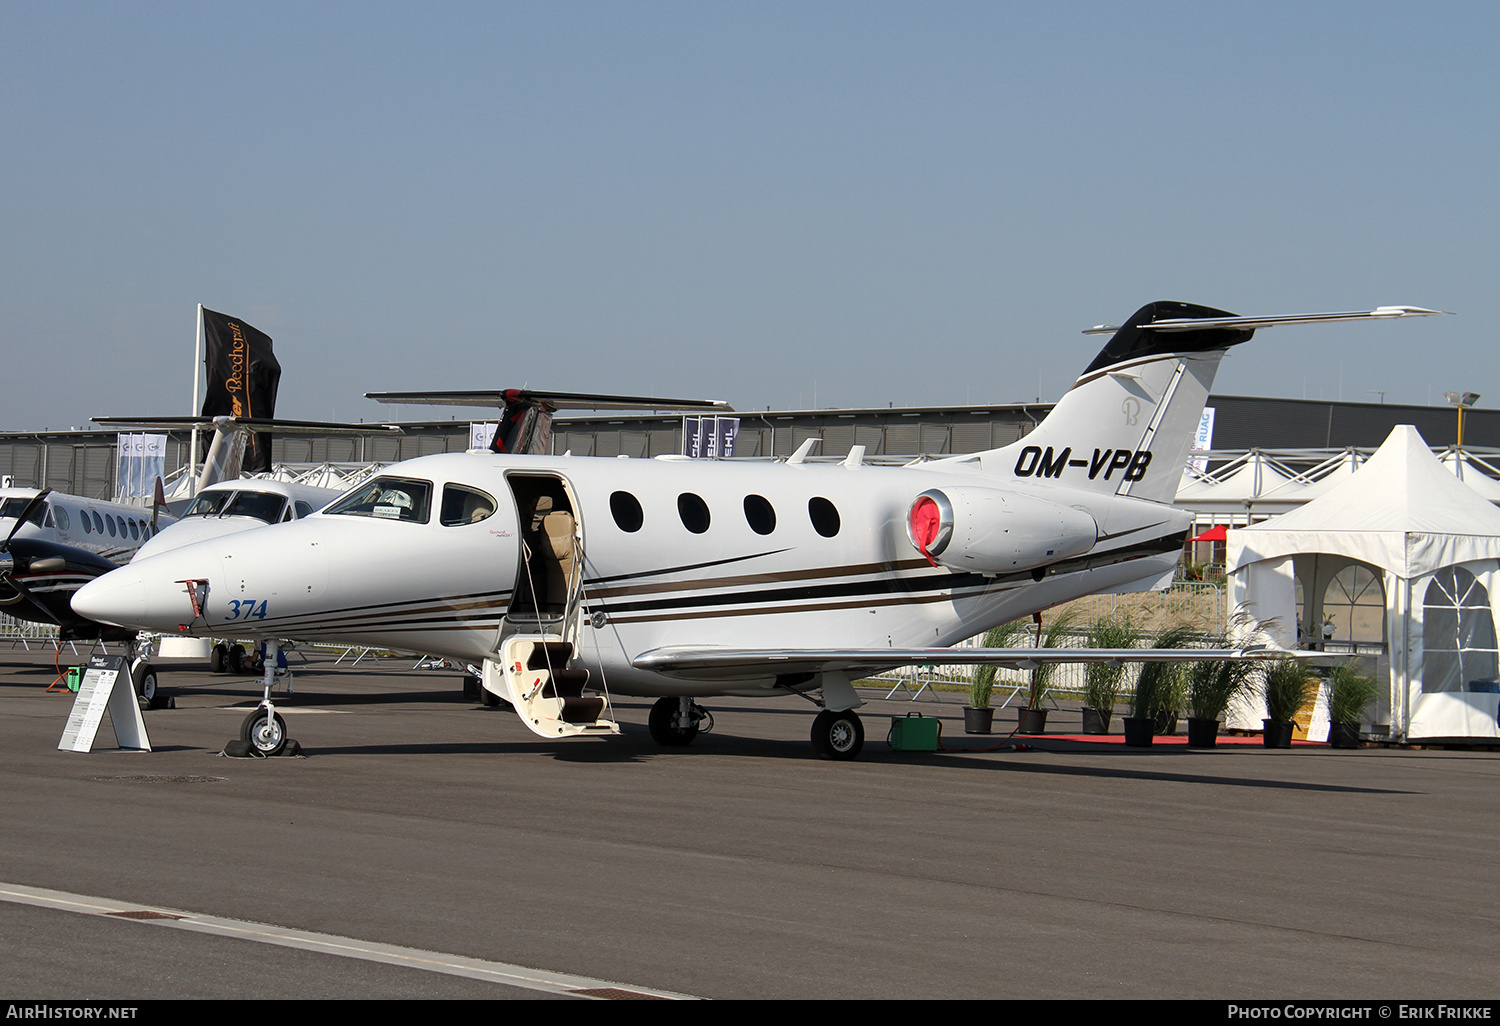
(568, 580)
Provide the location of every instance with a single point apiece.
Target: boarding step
(546, 693)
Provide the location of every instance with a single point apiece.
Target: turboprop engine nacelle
(987, 531)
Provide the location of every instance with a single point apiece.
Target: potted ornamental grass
(1103, 682)
(1211, 686)
(1287, 687)
(978, 716)
(1156, 689)
(1033, 719)
(1350, 689)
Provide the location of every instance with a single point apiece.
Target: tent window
(1458, 633)
(1354, 606)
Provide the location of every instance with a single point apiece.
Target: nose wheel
(264, 732)
(838, 735)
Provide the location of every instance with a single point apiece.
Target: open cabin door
(532, 664)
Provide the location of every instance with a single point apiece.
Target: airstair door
(533, 661)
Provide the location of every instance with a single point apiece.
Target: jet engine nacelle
(987, 531)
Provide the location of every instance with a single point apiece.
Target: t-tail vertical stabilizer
(1127, 424)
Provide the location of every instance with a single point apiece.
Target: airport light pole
(1463, 400)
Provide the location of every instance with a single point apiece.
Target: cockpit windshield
(389, 498)
(13, 507)
(208, 504)
(260, 505)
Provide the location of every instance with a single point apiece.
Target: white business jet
(572, 579)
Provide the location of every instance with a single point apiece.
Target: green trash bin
(75, 677)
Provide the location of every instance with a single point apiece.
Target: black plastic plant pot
(1278, 734)
(1202, 733)
(1140, 731)
(1032, 721)
(978, 721)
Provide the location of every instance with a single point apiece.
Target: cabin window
(626, 509)
(135, 530)
(109, 522)
(62, 517)
(693, 511)
(84, 516)
(388, 498)
(462, 505)
(759, 514)
(825, 518)
(98, 522)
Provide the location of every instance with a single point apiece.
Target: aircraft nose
(118, 597)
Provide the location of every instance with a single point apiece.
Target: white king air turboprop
(570, 579)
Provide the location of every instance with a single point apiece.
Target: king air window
(388, 498)
(463, 505)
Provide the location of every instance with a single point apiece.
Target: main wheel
(236, 659)
(218, 658)
(266, 734)
(663, 731)
(838, 735)
(472, 686)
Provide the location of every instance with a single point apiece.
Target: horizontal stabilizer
(1380, 313)
(704, 662)
(500, 398)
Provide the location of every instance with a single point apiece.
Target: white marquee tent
(1404, 558)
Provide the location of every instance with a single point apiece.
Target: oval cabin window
(759, 514)
(825, 518)
(693, 511)
(626, 509)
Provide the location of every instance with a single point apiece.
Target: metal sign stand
(105, 685)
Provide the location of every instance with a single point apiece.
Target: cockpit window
(260, 505)
(463, 505)
(389, 498)
(208, 504)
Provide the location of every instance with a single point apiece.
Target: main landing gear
(838, 735)
(837, 731)
(674, 722)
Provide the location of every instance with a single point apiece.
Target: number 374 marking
(246, 609)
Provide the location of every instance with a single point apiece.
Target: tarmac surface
(426, 846)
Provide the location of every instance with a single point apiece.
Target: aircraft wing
(499, 398)
(711, 663)
(251, 424)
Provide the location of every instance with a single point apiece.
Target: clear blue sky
(770, 203)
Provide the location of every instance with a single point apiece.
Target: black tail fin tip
(1134, 340)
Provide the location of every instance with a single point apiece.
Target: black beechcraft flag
(242, 379)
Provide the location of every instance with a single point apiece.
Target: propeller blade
(158, 500)
(36, 500)
(23, 593)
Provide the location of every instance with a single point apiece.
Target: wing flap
(713, 663)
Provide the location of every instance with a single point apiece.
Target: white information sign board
(105, 685)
